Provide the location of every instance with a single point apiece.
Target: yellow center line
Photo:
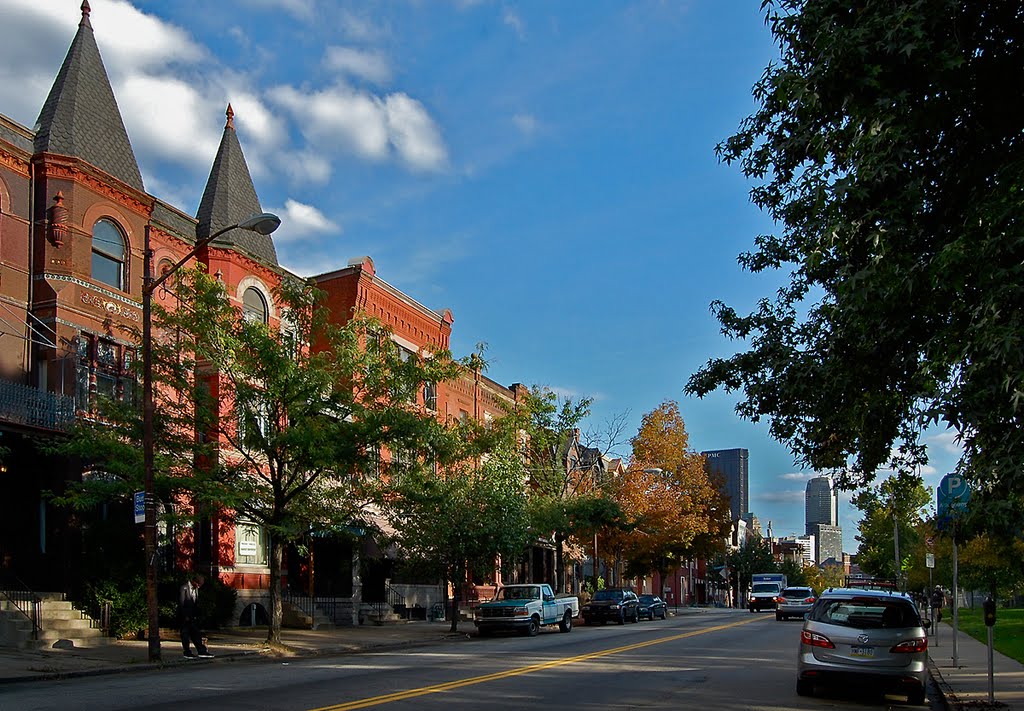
(449, 685)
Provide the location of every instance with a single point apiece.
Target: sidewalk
(965, 686)
(232, 645)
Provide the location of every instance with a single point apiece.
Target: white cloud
(299, 220)
(370, 66)
(414, 134)
(306, 167)
(345, 118)
(947, 442)
(797, 476)
(168, 118)
(781, 497)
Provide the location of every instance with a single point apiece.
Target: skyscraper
(821, 504)
(732, 466)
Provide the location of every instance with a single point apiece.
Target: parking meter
(989, 608)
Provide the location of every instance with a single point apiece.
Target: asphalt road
(718, 659)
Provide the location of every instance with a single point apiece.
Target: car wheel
(804, 687)
(484, 631)
(533, 628)
(622, 618)
(566, 624)
(636, 616)
(778, 617)
(751, 608)
(664, 614)
(916, 697)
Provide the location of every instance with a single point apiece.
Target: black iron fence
(21, 598)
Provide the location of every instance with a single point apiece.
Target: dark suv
(612, 605)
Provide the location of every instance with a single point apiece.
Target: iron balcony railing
(26, 405)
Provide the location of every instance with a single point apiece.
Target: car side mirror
(549, 598)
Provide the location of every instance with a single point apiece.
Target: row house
(74, 218)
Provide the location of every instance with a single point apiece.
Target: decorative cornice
(64, 168)
(14, 163)
(48, 276)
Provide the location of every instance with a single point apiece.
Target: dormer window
(108, 254)
(254, 306)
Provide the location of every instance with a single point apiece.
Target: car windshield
(608, 595)
(866, 613)
(519, 593)
(648, 598)
(797, 592)
(766, 588)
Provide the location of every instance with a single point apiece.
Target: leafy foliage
(899, 501)
(459, 521)
(672, 508)
(886, 152)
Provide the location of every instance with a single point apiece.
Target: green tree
(561, 472)
(886, 153)
(754, 555)
(288, 416)
(894, 508)
(824, 577)
(456, 522)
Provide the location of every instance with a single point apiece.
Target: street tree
(457, 521)
(884, 151)
(288, 415)
(753, 555)
(893, 511)
(671, 505)
(561, 470)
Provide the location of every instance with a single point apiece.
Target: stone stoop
(368, 615)
(59, 621)
(296, 618)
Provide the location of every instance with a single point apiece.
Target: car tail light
(813, 639)
(781, 600)
(809, 600)
(911, 645)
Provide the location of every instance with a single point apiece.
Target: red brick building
(74, 215)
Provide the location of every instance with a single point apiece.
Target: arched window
(254, 306)
(108, 254)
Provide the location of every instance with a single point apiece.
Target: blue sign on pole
(140, 507)
(953, 495)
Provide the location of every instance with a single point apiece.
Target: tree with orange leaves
(674, 510)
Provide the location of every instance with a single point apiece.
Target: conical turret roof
(230, 198)
(80, 117)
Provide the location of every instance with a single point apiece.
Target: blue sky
(546, 170)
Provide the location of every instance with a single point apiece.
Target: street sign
(140, 507)
(930, 542)
(929, 560)
(953, 494)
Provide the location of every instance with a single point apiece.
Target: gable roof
(80, 117)
(230, 198)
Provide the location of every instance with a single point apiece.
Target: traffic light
(989, 607)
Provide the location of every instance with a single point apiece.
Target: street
(716, 659)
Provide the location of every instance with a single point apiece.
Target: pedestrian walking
(188, 611)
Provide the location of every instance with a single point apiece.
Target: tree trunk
(456, 588)
(276, 556)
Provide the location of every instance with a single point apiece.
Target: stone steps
(60, 625)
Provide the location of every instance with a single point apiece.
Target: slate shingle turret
(80, 118)
(230, 198)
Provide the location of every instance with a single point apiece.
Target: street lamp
(263, 223)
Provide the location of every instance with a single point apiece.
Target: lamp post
(264, 224)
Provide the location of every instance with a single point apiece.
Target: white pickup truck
(526, 608)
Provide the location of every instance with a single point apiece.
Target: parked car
(652, 607)
(794, 602)
(612, 605)
(857, 636)
(526, 608)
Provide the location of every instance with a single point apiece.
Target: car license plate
(865, 652)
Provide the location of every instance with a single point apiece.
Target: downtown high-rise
(732, 465)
